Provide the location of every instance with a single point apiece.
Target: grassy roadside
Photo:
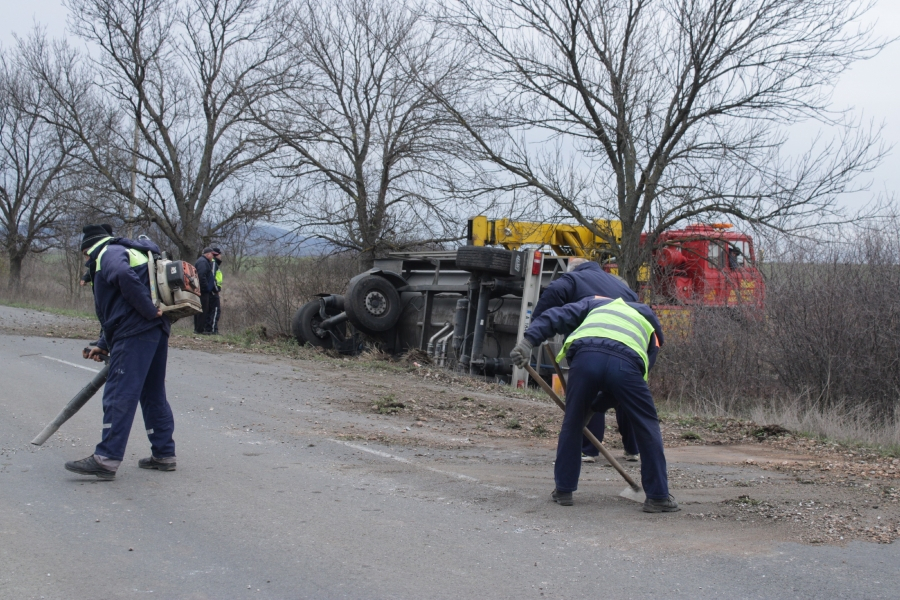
(63, 312)
(696, 429)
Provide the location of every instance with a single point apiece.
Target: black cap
(206, 250)
(216, 251)
(93, 234)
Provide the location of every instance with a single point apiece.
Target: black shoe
(89, 466)
(562, 498)
(152, 463)
(658, 506)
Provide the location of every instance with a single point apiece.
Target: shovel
(633, 492)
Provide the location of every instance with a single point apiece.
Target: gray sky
(871, 88)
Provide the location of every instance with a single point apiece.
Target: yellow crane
(566, 240)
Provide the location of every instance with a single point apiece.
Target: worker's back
(586, 280)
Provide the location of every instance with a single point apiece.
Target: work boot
(632, 457)
(658, 506)
(89, 466)
(562, 498)
(588, 458)
(155, 463)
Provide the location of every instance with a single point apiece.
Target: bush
(828, 343)
(271, 291)
(835, 327)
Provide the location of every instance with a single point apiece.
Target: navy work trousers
(215, 310)
(201, 318)
(591, 371)
(597, 426)
(137, 375)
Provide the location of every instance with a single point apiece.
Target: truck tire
(484, 260)
(304, 324)
(372, 304)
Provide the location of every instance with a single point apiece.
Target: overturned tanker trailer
(465, 308)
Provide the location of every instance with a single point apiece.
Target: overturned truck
(464, 308)
(467, 308)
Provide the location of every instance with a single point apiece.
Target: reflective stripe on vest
(135, 258)
(91, 249)
(615, 321)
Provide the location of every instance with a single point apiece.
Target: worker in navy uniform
(611, 347)
(586, 279)
(136, 338)
(215, 300)
(208, 289)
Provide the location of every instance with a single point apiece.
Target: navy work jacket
(584, 281)
(206, 275)
(566, 319)
(122, 293)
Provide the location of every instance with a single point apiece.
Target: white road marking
(404, 460)
(65, 362)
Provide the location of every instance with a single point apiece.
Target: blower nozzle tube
(74, 405)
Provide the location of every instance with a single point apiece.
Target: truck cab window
(715, 255)
(735, 257)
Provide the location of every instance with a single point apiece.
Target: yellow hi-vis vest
(219, 277)
(615, 321)
(135, 257)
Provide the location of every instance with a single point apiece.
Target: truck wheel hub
(376, 303)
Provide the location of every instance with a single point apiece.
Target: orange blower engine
(175, 289)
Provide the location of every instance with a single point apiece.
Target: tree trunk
(189, 245)
(15, 270)
(366, 260)
(630, 260)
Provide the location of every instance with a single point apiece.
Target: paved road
(265, 504)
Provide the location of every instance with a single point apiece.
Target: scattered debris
(388, 405)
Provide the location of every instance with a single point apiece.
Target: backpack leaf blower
(174, 287)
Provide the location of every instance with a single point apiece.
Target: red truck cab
(705, 265)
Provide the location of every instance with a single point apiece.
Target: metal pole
(484, 298)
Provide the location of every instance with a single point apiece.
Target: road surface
(268, 503)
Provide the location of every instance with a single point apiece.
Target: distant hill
(268, 239)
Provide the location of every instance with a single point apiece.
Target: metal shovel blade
(634, 494)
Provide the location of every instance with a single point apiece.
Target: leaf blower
(174, 287)
(75, 404)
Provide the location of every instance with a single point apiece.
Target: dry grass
(849, 424)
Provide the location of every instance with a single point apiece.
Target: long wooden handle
(559, 373)
(609, 457)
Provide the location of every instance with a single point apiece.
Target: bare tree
(160, 108)
(36, 167)
(656, 112)
(366, 143)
